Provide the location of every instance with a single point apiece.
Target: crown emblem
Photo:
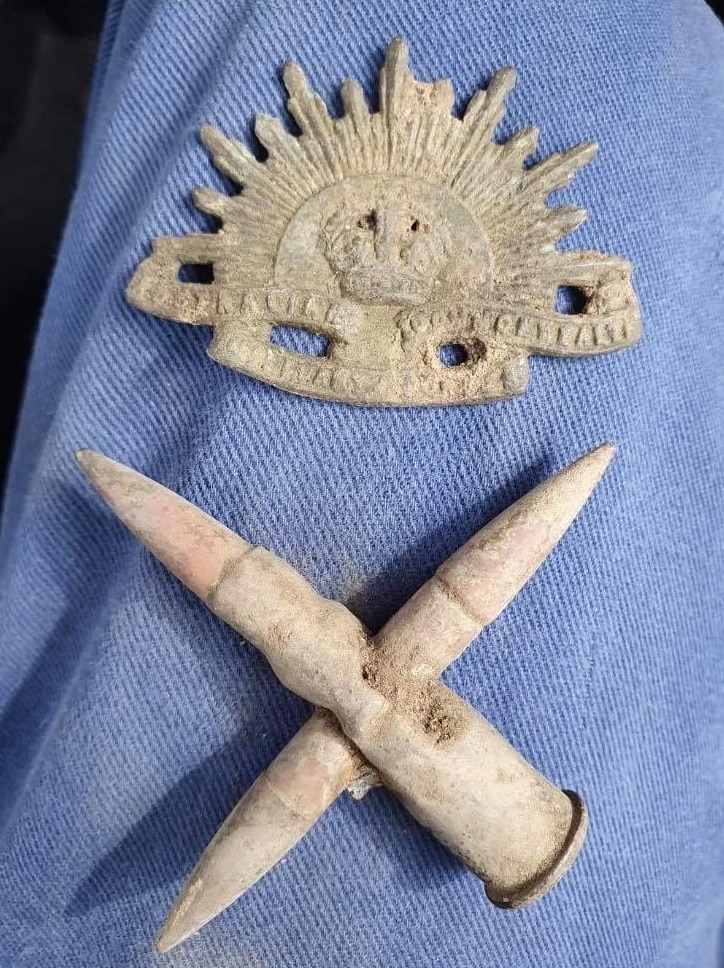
(386, 253)
(397, 257)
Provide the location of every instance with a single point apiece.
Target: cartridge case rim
(540, 885)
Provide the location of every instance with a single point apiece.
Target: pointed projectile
(277, 810)
(481, 578)
(189, 542)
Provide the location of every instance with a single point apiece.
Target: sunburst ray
(231, 157)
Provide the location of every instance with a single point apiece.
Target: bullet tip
(91, 462)
(601, 455)
(83, 457)
(164, 943)
(171, 934)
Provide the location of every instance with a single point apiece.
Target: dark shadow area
(28, 716)
(27, 719)
(47, 52)
(168, 840)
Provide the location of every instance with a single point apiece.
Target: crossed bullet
(382, 714)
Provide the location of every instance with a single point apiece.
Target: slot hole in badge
(201, 273)
(296, 339)
(453, 354)
(571, 300)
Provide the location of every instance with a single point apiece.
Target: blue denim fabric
(131, 720)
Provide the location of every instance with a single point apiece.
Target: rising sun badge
(400, 257)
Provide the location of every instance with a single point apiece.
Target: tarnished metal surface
(420, 251)
(385, 714)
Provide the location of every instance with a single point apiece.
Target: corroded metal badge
(400, 257)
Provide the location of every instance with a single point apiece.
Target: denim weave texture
(131, 719)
